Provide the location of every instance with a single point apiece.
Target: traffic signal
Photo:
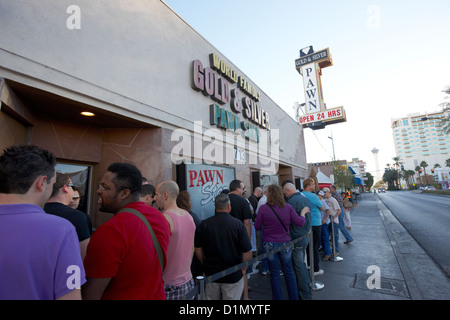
(420, 170)
(432, 170)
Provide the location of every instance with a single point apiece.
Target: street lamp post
(334, 257)
(332, 142)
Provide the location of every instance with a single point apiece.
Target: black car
(381, 190)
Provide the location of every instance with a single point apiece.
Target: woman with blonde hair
(275, 218)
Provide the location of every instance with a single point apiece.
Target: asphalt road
(427, 219)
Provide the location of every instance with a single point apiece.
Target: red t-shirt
(122, 249)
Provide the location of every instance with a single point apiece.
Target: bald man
(178, 279)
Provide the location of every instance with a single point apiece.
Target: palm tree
(397, 163)
(446, 105)
(418, 170)
(409, 174)
(424, 164)
(391, 177)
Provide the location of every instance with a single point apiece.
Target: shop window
(269, 179)
(81, 178)
(298, 183)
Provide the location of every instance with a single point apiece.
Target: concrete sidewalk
(406, 271)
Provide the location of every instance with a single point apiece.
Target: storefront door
(81, 178)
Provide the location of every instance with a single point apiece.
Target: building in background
(325, 177)
(325, 169)
(359, 168)
(133, 82)
(378, 174)
(419, 137)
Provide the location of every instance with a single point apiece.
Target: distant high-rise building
(377, 165)
(419, 137)
(359, 169)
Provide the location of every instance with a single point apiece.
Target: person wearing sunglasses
(58, 205)
(122, 260)
(75, 202)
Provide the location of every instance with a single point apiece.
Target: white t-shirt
(334, 207)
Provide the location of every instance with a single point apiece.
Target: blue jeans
(342, 227)
(301, 273)
(285, 257)
(264, 264)
(325, 237)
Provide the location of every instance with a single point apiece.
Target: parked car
(430, 188)
(381, 190)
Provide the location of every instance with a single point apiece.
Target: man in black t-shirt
(58, 204)
(240, 208)
(221, 242)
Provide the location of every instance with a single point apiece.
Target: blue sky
(391, 58)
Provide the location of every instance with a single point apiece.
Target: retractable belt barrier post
(202, 281)
(315, 285)
(334, 257)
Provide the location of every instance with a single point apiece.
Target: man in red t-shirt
(121, 262)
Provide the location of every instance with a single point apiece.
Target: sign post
(310, 65)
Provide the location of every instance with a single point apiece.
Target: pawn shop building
(104, 82)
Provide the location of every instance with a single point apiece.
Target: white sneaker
(318, 273)
(254, 271)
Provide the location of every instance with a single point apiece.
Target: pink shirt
(179, 253)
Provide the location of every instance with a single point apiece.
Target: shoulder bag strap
(284, 227)
(156, 244)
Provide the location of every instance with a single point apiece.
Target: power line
(326, 151)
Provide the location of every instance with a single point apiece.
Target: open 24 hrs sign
(327, 115)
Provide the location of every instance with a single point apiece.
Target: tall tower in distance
(377, 166)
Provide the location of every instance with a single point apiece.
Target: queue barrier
(201, 281)
(199, 289)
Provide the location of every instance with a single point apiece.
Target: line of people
(52, 252)
(278, 219)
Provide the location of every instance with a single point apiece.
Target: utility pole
(332, 141)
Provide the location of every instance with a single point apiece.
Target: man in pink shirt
(178, 279)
